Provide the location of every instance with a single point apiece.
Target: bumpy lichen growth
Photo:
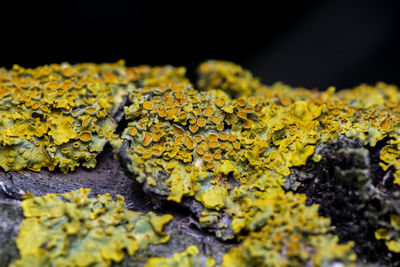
(57, 115)
(287, 233)
(60, 115)
(229, 149)
(145, 76)
(217, 74)
(231, 155)
(72, 229)
(188, 258)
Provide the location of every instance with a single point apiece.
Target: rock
(352, 190)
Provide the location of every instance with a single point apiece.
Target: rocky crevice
(353, 190)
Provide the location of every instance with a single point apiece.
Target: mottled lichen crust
(72, 229)
(225, 151)
(58, 115)
(368, 113)
(188, 258)
(145, 76)
(232, 154)
(232, 78)
(61, 115)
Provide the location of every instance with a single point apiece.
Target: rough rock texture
(10, 220)
(354, 192)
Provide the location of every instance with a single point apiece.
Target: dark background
(304, 43)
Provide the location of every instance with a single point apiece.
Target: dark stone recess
(353, 190)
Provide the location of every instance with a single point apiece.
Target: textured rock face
(10, 220)
(235, 173)
(355, 192)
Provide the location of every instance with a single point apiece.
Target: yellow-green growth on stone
(188, 258)
(72, 229)
(59, 115)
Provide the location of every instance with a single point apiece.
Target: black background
(304, 43)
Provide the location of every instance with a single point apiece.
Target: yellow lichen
(228, 147)
(188, 258)
(72, 229)
(54, 106)
(235, 160)
(46, 108)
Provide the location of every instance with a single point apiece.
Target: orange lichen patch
(208, 111)
(253, 101)
(198, 138)
(193, 128)
(197, 111)
(385, 124)
(207, 157)
(156, 99)
(91, 110)
(147, 139)
(241, 102)
(156, 137)
(287, 101)
(162, 112)
(148, 105)
(212, 137)
(178, 131)
(236, 145)
(4, 92)
(223, 146)
(192, 120)
(249, 109)
(201, 122)
(231, 138)
(220, 127)
(247, 124)
(215, 120)
(156, 152)
(188, 142)
(219, 102)
(182, 115)
(85, 136)
(217, 156)
(147, 154)
(213, 144)
(140, 126)
(242, 115)
(200, 150)
(132, 131)
(139, 150)
(172, 113)
(223, 136)
(210, 165)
